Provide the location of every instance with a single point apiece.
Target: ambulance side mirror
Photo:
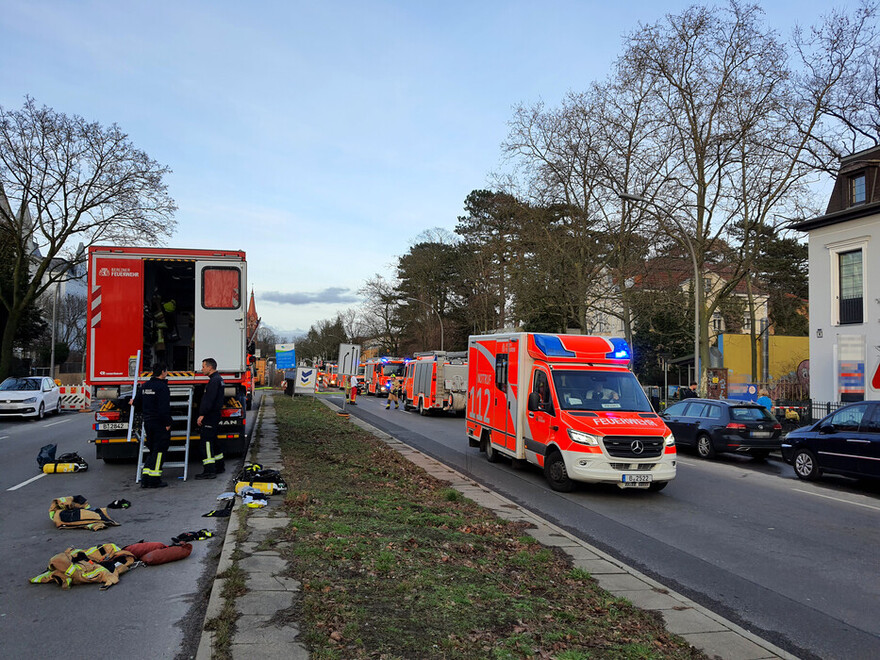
(534, 401)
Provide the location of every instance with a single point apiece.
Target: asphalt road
(791, 561)
(154, 611)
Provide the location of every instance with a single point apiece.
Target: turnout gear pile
(262, 479)
(100, 564)
(75, 511)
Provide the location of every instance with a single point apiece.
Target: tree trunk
(6, 347)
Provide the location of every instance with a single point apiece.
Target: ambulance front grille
(633, 467)
(631, 446)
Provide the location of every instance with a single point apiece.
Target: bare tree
(740, 129)
(381, 319)
(73, 181)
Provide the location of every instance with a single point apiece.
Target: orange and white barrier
(76, 397)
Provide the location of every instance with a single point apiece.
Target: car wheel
(704, 446)
(556, 474)
(41, 413)
(58, 407)
(805, 465)
(657, 486)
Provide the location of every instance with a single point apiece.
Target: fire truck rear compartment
(169, 314)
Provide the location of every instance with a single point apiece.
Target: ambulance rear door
(220, 316)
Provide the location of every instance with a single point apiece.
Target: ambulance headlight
(583, 438)
(670, 440)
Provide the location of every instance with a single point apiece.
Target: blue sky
(319, 137)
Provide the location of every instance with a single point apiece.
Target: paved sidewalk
(257, 635)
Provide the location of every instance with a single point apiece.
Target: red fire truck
(569, 404)
(437, 381)
(171, 306)
(379, 374)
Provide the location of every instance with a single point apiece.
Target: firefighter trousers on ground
(158, 440)
(101, 564)
(212, 462)
(74, 511)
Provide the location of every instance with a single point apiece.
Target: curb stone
(269, 592)
(699, 626)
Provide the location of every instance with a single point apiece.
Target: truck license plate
(637, 478)
(112, 426)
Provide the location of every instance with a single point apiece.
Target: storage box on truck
(177, 307)
(438, 382)
(568, 404)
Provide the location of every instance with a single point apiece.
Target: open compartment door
(220, 323)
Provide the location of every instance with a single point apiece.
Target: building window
(857, 189)
(850, 283)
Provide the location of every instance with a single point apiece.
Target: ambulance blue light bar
(551, 346)
(620, 349)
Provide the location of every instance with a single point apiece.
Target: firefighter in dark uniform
(209, 418)
(153, 399)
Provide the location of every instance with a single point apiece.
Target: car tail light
(230, 412)
(777, 426)
(736, 426)
(108, 416)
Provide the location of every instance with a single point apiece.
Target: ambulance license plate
(637, 478)
(112, 426)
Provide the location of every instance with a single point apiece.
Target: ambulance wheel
(557, 476)
(491, 454)
(422, 410)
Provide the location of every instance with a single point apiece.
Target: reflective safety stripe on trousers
(156, 470)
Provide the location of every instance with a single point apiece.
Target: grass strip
(395, 564)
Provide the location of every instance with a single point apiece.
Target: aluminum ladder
(181, 420)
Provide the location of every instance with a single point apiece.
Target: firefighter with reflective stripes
(153, 399)
(208, 421)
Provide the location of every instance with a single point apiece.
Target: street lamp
(438, 317)
(697, 279)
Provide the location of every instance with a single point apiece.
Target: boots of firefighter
(208, 471)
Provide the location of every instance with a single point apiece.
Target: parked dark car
(845, 442)
(713, 427)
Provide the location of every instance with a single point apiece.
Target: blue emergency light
(620, 349)
(551, 346)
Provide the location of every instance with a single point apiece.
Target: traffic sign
(349, 359)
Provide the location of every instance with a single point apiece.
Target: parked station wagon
(713, 427)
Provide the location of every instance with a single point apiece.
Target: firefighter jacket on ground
(100, 564)
(74, 511)
(212, 400)
(154, 401)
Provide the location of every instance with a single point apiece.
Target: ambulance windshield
(600, 390)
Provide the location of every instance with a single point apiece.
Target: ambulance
(568, 404)
(436, 381)
(172, 306)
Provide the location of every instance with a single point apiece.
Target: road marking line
(45, 426)
(25, 483)
(3, 437)
(838, 499)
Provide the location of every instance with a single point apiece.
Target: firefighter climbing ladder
(181, 407)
